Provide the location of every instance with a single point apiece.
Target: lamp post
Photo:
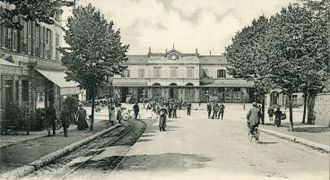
(243, 95)
(109, 99)
(207, 96)
(143, 97)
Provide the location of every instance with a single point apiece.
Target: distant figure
(175, 107)
(82, 121)
(112, 118)
(209, 110)
(136, 110)
(162, 118)
(270, 113)
(119, 116)
(189, 108)
(50, 117)
(221, 111)
(66, 119)
(215, 110)
(278, 117)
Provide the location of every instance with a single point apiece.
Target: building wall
(322, 106)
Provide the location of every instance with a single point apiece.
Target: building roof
(230, 83)
(212, 59)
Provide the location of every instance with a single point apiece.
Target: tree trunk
(93, 107)
(305, 107)
(290, 112)
(263, 110)
(310, 108)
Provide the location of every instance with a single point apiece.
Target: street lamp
(207, 95)
(243, 95)
(143, 96)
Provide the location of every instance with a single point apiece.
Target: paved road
(197, 148)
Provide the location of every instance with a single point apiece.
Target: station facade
(184, 76)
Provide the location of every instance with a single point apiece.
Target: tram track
(65, 167)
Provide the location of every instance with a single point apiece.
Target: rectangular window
(221, 73)
(51, 45)
(157, 73)
(37, 41)
(25, 38)
(14, 44)
(8, 38)
(29, 37)
(190, 71)
(33, 37)
(44, 42)
(141, 73)
(2, 36)
(174, 72)
(57, 44)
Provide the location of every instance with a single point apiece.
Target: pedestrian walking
(162, 118)
(66, 119)
(50, 117)
(209, 110)
(278, 117)
(221, 110)
(82, 119)
(169, 109)
(253, 117)
(270, 113)
(136, 110)
(188, 108)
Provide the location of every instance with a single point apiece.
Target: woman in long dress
(82, 122)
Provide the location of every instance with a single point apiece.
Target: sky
(208, 25)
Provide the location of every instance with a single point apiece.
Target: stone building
(31, 71)
(173, 74)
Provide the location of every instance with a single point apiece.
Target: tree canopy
(33, 10)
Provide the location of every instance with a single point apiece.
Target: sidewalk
(311, 135)
(21, 150)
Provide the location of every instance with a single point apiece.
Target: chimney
(196, 51)
(166, 50)
(149, 49)
(210, 53)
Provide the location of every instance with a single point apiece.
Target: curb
(37, 164)
(314, 145)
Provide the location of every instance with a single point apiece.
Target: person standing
(189, 108)
(119, 116)
(270, 113)
(278, 117)
(66, 119)
(215, 110)
(162, 118)
(50, 117)
(136, 110)
(209, 110)
(82, 122)
(175, 107)
(221, 111)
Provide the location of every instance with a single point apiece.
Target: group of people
(215, 110)
(66, 118)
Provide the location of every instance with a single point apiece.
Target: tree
(299, 51)
(248, 58)
(95, 53)
(29, 10)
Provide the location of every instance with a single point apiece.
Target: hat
(254, 104)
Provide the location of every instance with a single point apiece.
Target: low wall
(322, 112)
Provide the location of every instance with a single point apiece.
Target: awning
(129, 83)
(230, 83)
(58, 78)
(7, 63)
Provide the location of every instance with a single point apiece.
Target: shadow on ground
(154, 162)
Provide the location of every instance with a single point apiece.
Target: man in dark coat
(209, 110)
(189, 108)
(162, 118)
(221, 111)
(136, 110)
(82, 115)
(175, 107)
(253, 117)
(215, 110)
(50, 118)
(66, 119)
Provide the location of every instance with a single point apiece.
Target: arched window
(173, 84)
(189, 84)
(156, 84)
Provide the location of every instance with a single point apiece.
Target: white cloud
(189, 24)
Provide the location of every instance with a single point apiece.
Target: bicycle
(254, 135)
